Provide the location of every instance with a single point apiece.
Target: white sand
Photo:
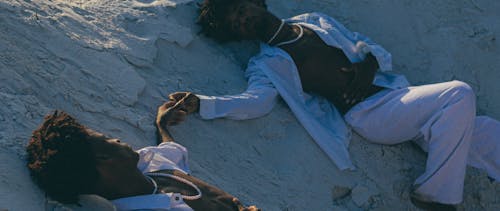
(110, 63)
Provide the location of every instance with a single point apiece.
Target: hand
(364, 73)
(174, 111)
(243, 208)
(191, 102)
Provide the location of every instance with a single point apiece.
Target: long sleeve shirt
(273, 73)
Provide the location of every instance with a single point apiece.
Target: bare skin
(173, 112)
(116, 163)
(323, 69)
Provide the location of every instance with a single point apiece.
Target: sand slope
(110, 63)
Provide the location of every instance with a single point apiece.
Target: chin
(136, 157)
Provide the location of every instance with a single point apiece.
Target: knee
(464, 93)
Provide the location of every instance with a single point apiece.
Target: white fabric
(166, 156)
(484, 151)
(441, 119)
(168, 201)
(273, 71)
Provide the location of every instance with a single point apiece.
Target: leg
(484, 151)
(441, 116)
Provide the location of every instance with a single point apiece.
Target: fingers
(252, 208)
(356, 96)
(177, 117)
(243, 208)
(176, 96)
(353, 90)
(358, 88)
(174, 111)
(190, 102)
(357, 93)
(238, 203)
(173, 117)
(170, 113)
(165, 106)
(161, 112)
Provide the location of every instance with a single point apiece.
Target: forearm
(250, 104)
(173, 112)
(163, 135)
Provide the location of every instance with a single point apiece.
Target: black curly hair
(213, 16)
(60, 158)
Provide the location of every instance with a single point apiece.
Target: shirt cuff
(207, 106)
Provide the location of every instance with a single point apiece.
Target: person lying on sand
(67, 159)
(332, 78)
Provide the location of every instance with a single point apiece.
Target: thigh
(399, 115)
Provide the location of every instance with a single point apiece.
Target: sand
(110, 63)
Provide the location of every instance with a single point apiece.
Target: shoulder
(167, 155)
(165, 146)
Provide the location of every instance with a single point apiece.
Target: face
(247, 20)
(112, 153)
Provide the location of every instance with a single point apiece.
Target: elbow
(266, 105)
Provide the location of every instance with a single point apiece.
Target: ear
(260, 3)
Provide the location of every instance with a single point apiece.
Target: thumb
(238, 203)
(177, 96)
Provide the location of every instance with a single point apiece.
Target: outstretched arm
(258, 99)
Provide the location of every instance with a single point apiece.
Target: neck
(126, 185)
(286, 33)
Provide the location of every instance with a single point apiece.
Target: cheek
(136, 158)
(132, 158)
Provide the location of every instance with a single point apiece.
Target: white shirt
(273, 72)
(166, 156)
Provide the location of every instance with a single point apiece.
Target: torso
(212, 198)
(319, 66)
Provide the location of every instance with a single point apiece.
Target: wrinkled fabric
(441, 119)
(272, 72)
(166, 156)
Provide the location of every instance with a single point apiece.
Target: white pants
(441, 118)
